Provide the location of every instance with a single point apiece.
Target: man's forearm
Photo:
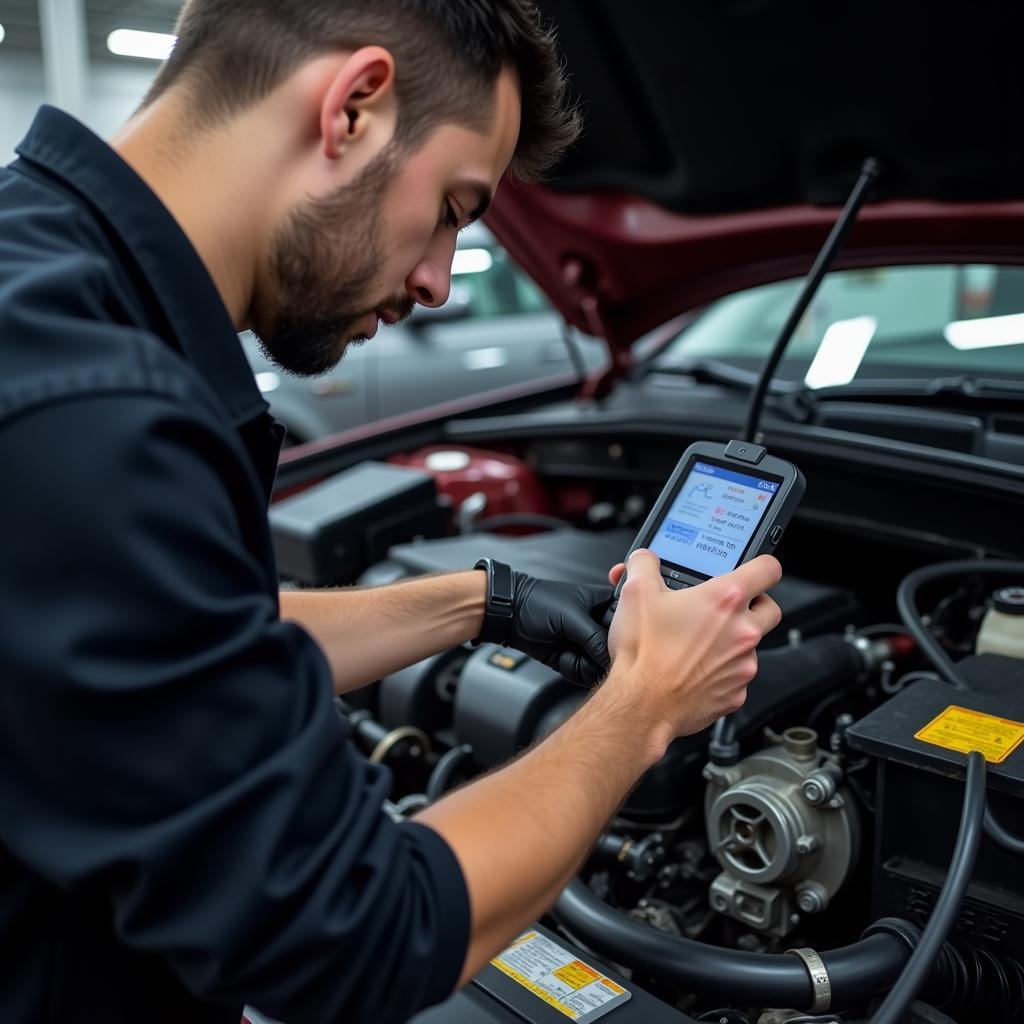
(368, 633)
(519, 834)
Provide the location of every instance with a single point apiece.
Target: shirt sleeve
(166, 740)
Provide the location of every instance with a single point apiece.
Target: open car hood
(722, 135)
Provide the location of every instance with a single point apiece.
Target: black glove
(559, 624)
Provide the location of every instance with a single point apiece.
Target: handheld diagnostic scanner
(723, 505)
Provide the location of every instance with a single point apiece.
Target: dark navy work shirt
(184, 826)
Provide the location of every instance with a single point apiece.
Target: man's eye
(451, 218)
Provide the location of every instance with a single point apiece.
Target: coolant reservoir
(1002, 629)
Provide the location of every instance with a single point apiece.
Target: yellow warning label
(554, 974)
(535, 989)
(964, 730)
(577, 974)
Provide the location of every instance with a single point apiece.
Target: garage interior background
(59, 51)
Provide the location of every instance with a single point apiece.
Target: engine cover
(582, 556)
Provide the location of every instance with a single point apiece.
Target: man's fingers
(615, 573)
(757, 576)
(578, 669)
(585, 633)
(767, 613)
(599, 597)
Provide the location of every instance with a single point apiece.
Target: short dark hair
(448, 56)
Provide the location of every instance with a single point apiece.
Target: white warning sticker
(557, 976)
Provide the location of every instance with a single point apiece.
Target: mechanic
(185, 827)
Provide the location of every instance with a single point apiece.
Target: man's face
(372, 249)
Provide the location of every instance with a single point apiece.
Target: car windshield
(884, 322)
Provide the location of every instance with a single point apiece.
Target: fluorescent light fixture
(472, 261)
(987, 332)
(841, 352)
(129, 42)
(267, 382)
(2, 33)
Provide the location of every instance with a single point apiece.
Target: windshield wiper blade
(716, 371)
(924, 387)
(802, 402)
(798, 402)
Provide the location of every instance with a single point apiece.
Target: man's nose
(430, 283)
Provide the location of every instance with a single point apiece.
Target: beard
(319, 297)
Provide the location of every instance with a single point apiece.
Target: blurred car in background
(496, 329)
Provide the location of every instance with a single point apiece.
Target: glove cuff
(499, 608)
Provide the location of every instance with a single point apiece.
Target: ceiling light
(987, 332)
(472, 261)
(841, 352)
(128, 42)
(2, 33)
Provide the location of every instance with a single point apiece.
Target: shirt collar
(179, 283)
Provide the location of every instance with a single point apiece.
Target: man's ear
(360, 97)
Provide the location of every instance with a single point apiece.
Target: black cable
(869, 172)
(999, 835)
(947, 906)
(868, 966)
(902, 682)
(724, 747)
(445, 769)
(906, 603)
(829, 1018)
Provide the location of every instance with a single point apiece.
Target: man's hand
(688, 655)
(560, 625)
(681, 658)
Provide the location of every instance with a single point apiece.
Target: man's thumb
(643, 562)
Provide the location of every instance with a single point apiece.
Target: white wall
(21, 91)
(114, 92)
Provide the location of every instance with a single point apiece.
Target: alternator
(784, 832)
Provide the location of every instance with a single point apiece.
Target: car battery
(333, 531)
(544, 979)
(920, 739)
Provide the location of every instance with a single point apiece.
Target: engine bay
(813, 826)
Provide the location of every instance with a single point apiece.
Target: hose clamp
(396, 736)
(818, 974)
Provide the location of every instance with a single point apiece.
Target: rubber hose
(999, 835)
(443, 772)
(906, 595)
(855, 971)
(724, 747)
(947, 906)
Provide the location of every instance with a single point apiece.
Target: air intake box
(332, 532)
